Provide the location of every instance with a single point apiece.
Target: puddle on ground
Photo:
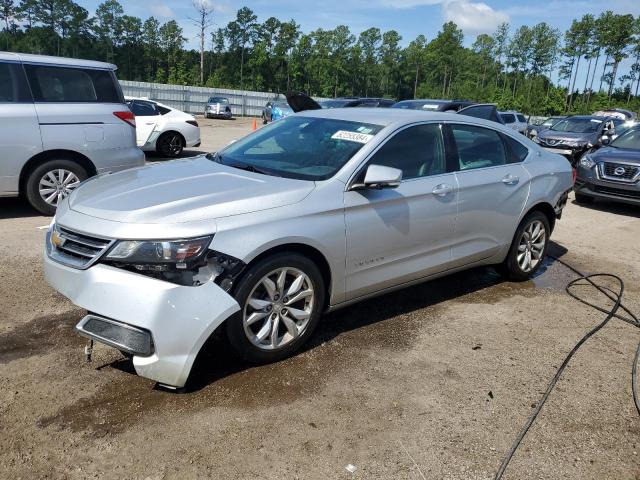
(220, 379)
(40, 336)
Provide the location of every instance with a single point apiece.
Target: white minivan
(62, 120)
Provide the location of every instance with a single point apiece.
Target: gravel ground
(432, 382)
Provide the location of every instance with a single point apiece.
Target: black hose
(616, 297)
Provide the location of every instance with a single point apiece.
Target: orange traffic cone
(254, 126)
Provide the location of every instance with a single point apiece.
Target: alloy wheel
(57, 184)
(278, 309)
(531, 246)
(172, 145)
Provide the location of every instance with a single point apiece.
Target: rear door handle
(442, 190)
(510, 179)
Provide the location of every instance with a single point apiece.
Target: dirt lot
(432, 382)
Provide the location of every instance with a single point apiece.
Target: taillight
(127, 117)
(192, 122)
(574, 173)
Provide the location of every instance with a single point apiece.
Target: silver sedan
(311, 213)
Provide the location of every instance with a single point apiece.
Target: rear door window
(478, 147)
(522, 119)
(72, 85)
(13, 88)
(508, 117)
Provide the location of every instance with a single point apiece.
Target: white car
(163, 129)
(515, 120)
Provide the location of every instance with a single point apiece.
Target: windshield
(281, 105)
(550, 121)
(218, 100)
(299, 147)
(629, 139)
(577, 125)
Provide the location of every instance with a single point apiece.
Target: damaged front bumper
(178, 319)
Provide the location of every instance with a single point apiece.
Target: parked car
(275, 110)
(534, 129)
(576, 134)
(218, 107)
(363, 102)
(63, 120)
(163, 129)
(314, 212)
(515, 120)
(611, 172)
(434, 105)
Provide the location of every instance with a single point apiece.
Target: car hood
(563, 136)
(611, 154)
(181, 191)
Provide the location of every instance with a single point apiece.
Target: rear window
(74, 85)
(14, 89)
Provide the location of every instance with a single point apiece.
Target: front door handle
(510, 179)
(442, 190)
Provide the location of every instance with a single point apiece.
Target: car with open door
(163, 129)
(311, 213)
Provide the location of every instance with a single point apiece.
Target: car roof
(397, 116)
(64, 61)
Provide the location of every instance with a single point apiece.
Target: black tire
(584, 199)
(32, 185)
(264, 119)
(170, 144)
(235, 325)
(511, 268)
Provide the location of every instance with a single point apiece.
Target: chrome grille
(619, 172)
(74, 249)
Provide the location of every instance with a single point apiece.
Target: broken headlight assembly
(159, 255)
(186, 262)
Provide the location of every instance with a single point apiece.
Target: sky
(409, 17)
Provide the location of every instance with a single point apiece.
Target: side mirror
(605, 140)
(379, 176)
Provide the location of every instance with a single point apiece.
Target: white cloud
(473, 17)
(162, 10)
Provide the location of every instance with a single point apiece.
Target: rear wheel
(529, 247)
(50, 182)
(170, 144)
(581, 198)
(264, 119)
(281, 300)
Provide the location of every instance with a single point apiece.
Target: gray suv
(63, 120)
(611, 172)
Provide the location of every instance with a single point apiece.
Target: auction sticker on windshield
(351, 136)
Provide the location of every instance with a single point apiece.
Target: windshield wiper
(249, 168)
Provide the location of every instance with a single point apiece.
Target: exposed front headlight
(159, 255)
(587, 162)
(536, 139)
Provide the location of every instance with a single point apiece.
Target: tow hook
(88, 351)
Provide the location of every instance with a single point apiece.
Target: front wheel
(50, 182)
(281, 300)
(529, 247)
(170, 144)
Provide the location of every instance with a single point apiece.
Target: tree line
(534, 69)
